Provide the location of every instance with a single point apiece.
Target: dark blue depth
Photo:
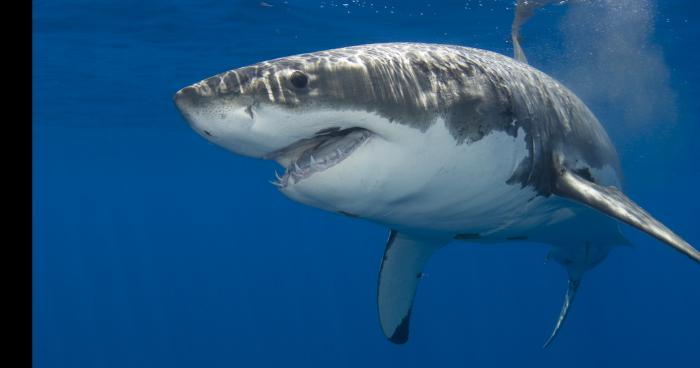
(153, 248)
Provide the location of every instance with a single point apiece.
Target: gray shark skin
(436, 142)
(475, 91)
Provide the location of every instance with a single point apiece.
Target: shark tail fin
(577, 258)
(568, 300)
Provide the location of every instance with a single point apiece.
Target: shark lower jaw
(309, 156)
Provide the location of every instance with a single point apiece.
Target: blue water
(153, 248)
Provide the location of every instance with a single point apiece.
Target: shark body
(436, 142)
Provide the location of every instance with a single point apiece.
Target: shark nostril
(249, 110)
(207, 133)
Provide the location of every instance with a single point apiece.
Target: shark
(440, 144)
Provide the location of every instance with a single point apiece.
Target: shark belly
(444, 187)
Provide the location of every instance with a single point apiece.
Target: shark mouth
(324, 150)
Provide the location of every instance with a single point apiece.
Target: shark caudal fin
(568, 299)
(614, 203)
(401, 269)
(577, 258)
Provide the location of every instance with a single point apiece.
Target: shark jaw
(324, 150)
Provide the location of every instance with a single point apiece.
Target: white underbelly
(426, 180)
(462, 186)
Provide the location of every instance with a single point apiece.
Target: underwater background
(154, 248)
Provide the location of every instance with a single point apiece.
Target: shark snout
(225, 119)
(206, 107)
(228, 85)
(195, 96)
(189, 102)
(186, 95)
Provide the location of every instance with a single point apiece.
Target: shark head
(340, 121)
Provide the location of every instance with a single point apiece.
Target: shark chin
(309, 156)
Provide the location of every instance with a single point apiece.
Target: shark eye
(299, 79)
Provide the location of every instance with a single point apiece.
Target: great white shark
(437, 143)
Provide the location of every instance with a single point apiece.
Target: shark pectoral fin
(614, 203)
(568, 299)
(401, 269)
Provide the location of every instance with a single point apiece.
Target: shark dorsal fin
(523, 11)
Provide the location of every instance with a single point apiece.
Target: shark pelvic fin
(568, 299)
(401, 269)
(614, 203)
